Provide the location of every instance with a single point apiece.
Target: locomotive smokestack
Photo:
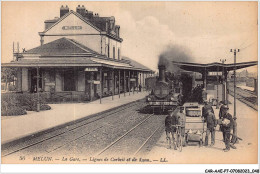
(162, 73)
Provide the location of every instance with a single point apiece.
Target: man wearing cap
(227, 125)
(182, 120)
(170, 121)
(207, 107)
(221, 113)
(210, 119)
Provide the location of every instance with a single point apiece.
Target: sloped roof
(136, 64)
(197, 67)
(99, 23)
(66, 52)
(62, 46)
(50, 62)
(67, 14)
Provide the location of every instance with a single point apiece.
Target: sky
(205, 30)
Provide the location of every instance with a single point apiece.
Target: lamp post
(217, 106)
(234, 137)
(235, 53)
(38, 94)
(223, 81)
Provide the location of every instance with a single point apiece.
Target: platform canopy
(198, 67)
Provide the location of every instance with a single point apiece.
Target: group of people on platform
(226, 122)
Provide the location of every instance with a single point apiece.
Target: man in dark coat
(210, 119)
(207, 107)
(227, 126)
(170, 121)
(221, 113)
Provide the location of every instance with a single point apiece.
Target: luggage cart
(195, 126)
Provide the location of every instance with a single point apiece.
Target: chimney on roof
(64, 10)
(89, 15)
(81, 10)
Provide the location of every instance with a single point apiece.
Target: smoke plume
(174, 53)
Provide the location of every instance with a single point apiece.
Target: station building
(79, 57)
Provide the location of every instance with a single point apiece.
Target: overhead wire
(243, 43)
(247, 46)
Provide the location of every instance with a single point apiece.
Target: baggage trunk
(194, 137)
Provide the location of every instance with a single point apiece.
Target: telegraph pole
(234, 137)
(223, 82)
(38, 94)
(235, 53)
(217, 107)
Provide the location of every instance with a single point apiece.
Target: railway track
(142, 133)
(12, 148)
(246, 97)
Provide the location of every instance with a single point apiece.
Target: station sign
(132, 80)
(91, 69)
(49, 83)
(215, 73)
(95, 82)
(72, 27)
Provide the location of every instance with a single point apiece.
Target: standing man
(170, 122)
(210, 119)
(221, 113)
(207, 106)
(227, 123)
(182, 120)
(140, 87)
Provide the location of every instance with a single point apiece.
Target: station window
(118, 54)
(114, 53)
(108, 51)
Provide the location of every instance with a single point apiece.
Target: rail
(121, 109)
(246, 100)
(124, 135)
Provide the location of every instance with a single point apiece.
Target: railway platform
(246, 152)
(16, 127)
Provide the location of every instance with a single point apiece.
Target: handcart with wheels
(194, 126)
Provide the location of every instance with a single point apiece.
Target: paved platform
(16, 127)
(246, 88)
(246, 152)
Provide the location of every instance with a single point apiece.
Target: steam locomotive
(166, 93)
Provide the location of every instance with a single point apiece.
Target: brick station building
(79, 58)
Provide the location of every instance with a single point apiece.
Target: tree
(8, 75)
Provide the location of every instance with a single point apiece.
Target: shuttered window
(114, 53)
(118, 54)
